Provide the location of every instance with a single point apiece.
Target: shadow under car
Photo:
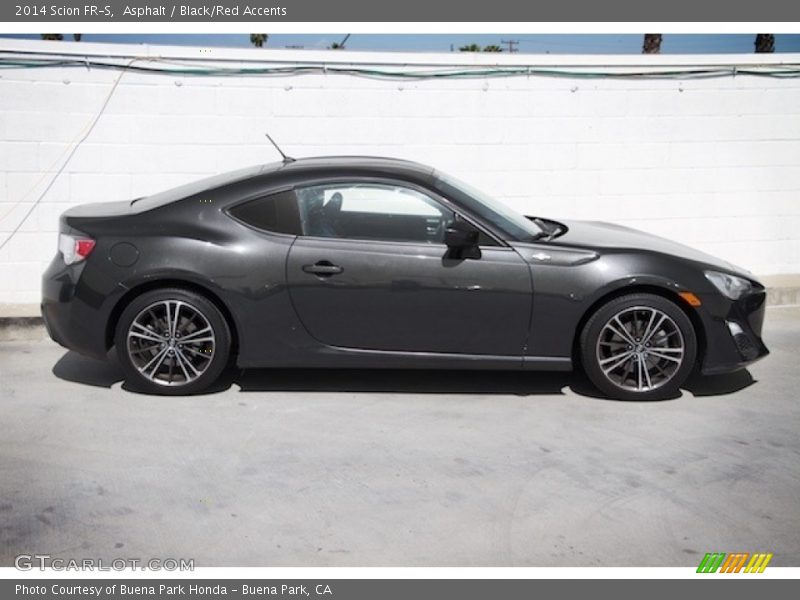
(87, 371)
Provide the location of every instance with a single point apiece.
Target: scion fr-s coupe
(373, 262)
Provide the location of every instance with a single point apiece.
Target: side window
(276, 212)
(372, 211)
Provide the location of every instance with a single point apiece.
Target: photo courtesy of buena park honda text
(410, 301)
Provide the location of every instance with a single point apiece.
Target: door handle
(323, 268)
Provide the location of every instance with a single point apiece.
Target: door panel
(380, 295)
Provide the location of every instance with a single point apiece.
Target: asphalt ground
(398, 468)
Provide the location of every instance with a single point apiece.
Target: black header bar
(440, 11)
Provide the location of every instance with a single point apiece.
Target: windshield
(489, 209)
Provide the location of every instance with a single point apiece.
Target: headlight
(729, 286)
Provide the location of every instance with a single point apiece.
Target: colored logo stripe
(734, 563)
(758, 563)
(711, 562)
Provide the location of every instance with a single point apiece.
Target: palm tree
(258, 39)
(339, 45)
(470, 48)
(492, 48)
(53, 37)
(652, 43)
(765, 42)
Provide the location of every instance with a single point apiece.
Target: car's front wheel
(172, 341)
(638, 347)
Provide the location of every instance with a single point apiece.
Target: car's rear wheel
(639, 347)
(172, 341)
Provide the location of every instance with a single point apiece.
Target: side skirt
(337, 357)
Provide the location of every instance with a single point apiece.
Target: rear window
(277, 213)
(196, 187)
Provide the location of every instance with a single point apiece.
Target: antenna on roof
(286, 159)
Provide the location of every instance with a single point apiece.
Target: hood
(595, 234)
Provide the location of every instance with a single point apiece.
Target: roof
(378, 163)
(324, 166)
(295, 171)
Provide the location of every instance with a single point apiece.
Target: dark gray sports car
(374, 262)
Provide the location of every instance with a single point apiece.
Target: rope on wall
(164, 67)
(66, 156)
(157, 66)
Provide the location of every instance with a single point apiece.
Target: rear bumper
(733, 332)
(73, 314)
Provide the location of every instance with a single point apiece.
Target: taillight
(74, 249)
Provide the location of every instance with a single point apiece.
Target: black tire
(160, 363)
(653, 355)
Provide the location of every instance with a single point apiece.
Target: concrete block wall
(714, 163)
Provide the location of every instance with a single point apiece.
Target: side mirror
(461, 239)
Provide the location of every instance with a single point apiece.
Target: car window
(372, 211)
(277, 213)
(197, 187)
(487, 208)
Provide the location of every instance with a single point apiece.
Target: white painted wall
(714, 163)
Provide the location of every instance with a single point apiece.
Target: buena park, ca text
(173, 590)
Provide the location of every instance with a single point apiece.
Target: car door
(371, 271)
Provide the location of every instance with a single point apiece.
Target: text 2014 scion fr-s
(373, 262)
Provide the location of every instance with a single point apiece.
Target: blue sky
(528, 43)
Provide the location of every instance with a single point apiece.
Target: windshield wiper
(548, 232)
(556, 231)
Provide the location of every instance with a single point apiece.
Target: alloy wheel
(640, 349)
(171, 343)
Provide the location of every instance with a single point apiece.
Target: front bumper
(733, 332)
